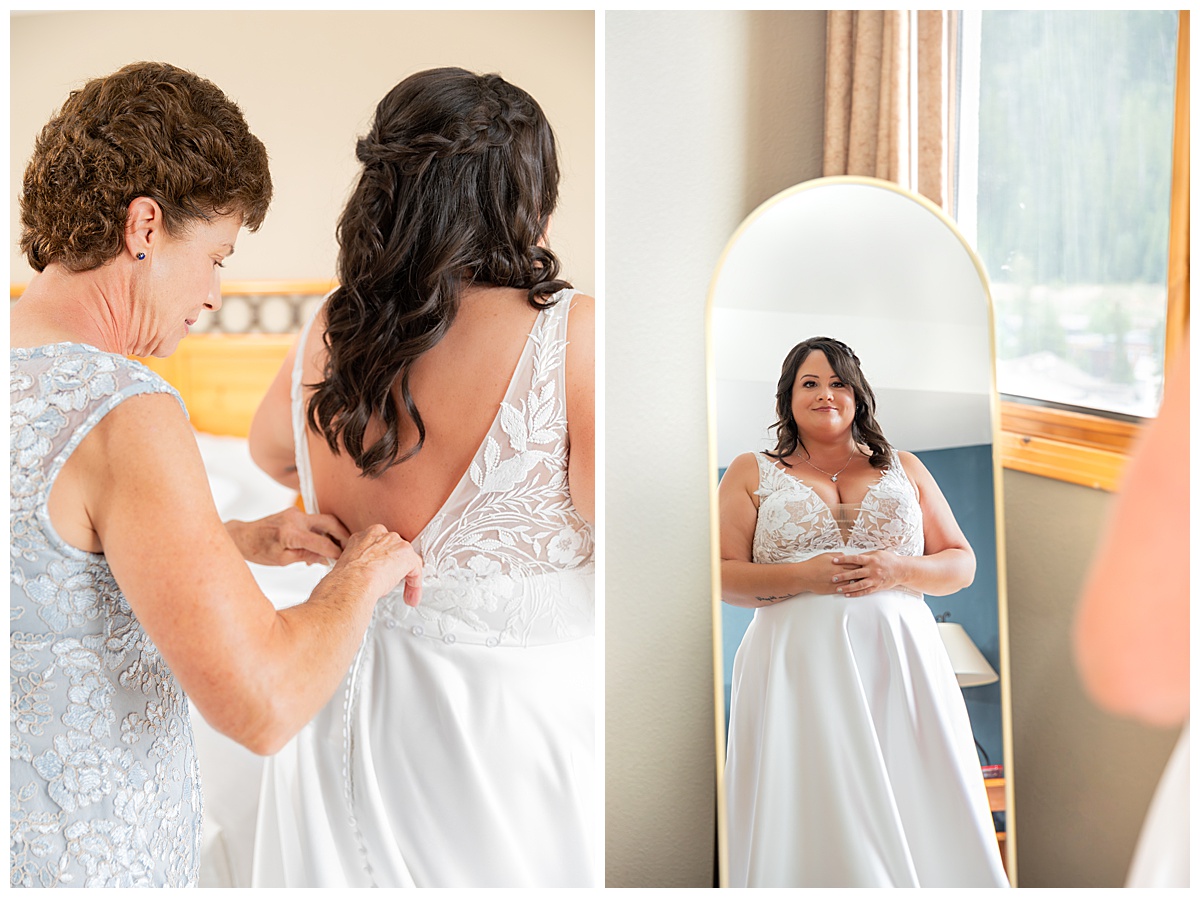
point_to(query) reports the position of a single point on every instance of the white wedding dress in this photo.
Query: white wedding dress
(1163, 855)
(851, 760)
(460, 748)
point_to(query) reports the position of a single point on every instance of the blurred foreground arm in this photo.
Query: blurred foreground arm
(1132, 624)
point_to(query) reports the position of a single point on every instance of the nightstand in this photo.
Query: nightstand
(995, 793)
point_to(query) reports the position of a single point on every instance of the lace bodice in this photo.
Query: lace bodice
(508, 558)
(104, 784)
(794, 524)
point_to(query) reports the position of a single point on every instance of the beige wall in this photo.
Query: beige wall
(1084, 779)
(308, 83)
(707, 115)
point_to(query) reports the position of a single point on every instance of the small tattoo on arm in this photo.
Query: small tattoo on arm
(771, 598)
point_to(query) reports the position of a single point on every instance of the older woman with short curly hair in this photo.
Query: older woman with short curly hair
(150, 130)
(129, 598)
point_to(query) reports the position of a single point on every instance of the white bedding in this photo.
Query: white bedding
(230, 773)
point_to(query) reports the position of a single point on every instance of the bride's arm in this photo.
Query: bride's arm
(255, 673)
(291, 535)
(581, 404)
(272, 446)
(948, 564)
(744, 582)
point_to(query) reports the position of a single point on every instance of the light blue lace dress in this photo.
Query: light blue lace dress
(104, 787)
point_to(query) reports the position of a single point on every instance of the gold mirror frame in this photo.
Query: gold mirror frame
(714, 523)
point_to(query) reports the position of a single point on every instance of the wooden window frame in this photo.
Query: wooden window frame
(1092, 450)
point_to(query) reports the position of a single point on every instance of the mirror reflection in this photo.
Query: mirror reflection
(854, 430)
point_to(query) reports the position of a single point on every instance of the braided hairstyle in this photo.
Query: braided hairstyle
(459, 179)
(845, 365)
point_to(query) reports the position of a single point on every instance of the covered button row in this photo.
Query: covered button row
(449, 638)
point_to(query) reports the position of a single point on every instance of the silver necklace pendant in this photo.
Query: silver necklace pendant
(832, 477)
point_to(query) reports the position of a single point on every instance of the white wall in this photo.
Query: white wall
(308, 83)
(706, 115)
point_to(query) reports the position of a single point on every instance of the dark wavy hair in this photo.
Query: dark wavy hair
(846, 366)
(459, 178)
(149, 129)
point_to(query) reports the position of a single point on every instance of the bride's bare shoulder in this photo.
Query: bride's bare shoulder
(743, 469)
(582, 304)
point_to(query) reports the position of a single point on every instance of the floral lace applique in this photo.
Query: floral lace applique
(497, 553)
(794, 524)
(104, 782)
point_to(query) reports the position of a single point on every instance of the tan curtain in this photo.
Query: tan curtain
(886, 97)
(1179, 253)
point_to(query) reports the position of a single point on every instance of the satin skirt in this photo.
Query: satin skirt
(440, 764)
(1163, 855)
(851, 760)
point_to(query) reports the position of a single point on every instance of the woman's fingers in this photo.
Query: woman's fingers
(868, 572)
(854, 576)
(864, 583)
(311, 537)
(388, 558)
(306, 543)
(412, 588)
(331, 526)
(849, 569)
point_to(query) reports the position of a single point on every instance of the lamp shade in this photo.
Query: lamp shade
(970, 667)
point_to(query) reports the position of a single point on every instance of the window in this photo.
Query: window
(1066, 177)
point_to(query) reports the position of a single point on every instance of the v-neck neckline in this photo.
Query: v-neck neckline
(525, 351)
(530, 342)
(829, 509)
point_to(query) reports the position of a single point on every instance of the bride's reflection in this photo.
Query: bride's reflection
(887, 272)
(850, 758)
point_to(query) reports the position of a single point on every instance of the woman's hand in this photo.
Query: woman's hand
(288, 537)
(257, 673)
(384, 558)
(860, 575)
(825, 574)
(744, 582)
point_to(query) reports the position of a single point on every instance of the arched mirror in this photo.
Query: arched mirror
(886, 272)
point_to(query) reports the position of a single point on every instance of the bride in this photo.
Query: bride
(850, 759)
(445, 389)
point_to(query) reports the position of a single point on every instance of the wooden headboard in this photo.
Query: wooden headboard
(222, 375)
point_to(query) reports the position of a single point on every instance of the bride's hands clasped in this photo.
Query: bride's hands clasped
(860, 575)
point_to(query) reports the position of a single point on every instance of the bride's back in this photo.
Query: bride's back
(457, 387)
(403, 414)
(444, 272)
